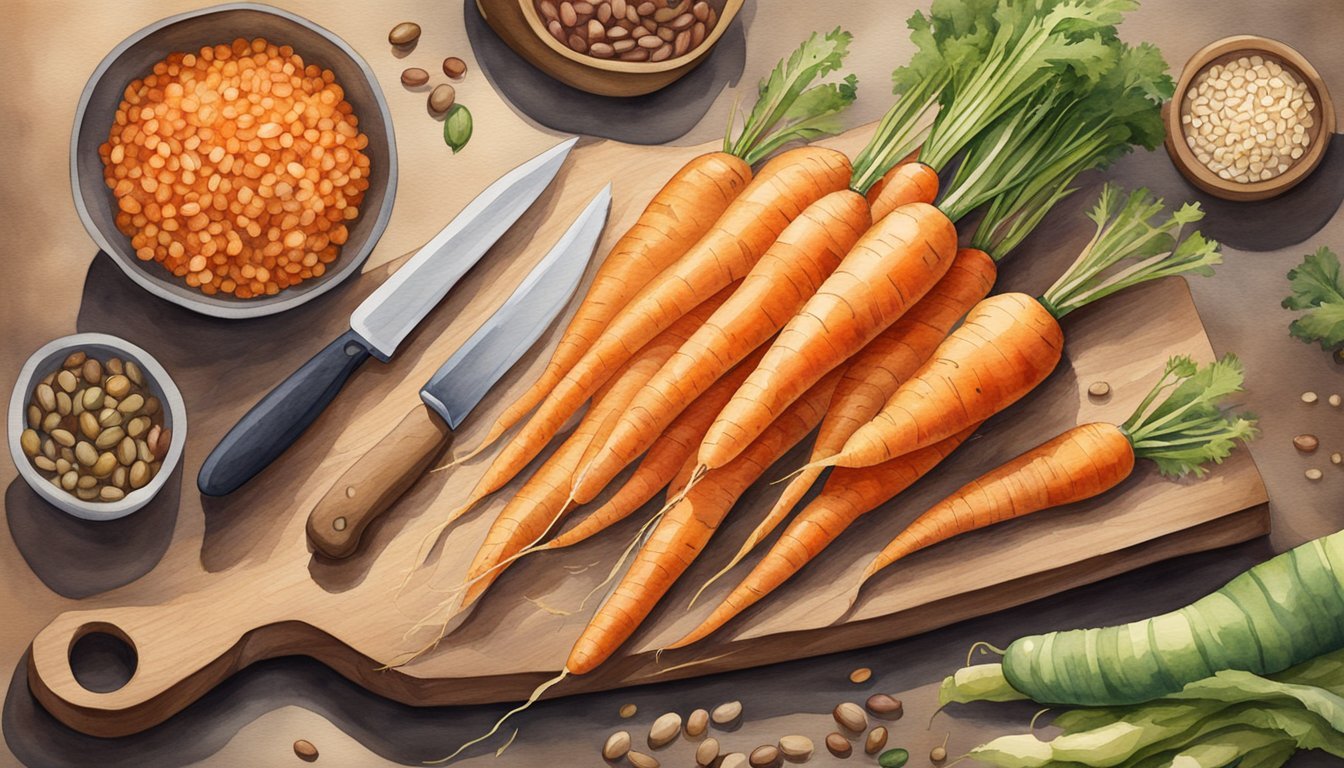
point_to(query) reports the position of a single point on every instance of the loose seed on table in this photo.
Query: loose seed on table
(404, 34)
(726, 713)
(838, 745)
(617, 745)
(1098, 389)
(1335, 400)
(938, 754)
(696, 723)
(734, 760)
(765, 756)
(627, 711)
(1309, 397)
(414, 77)
(876, 740)
(1314, 474)
(1306, 443)
(441, 98)
(860, 675)
(305, 750)
(664, 730)
(454, 67)
(641, 760)
(796, 748)
(707, 752)
(893, 758)
(1337, 458)
(885, 706)
(850, 716)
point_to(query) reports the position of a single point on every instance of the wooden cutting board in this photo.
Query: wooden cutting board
(258, 593)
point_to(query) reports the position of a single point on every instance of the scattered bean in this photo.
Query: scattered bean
(893, 758)
(404, 34)
(618, 744)
(414, 77)
(1309, 397)
(1098, 389)
(696, 723)
(885, 706)
(727, 713)
(628, 711)
(641, 760)
(860, 675)
(1337, 458)
(1306, 443)
(765, 756)
(305, 750)
(707, 752)
(876, 740)
(734, 760)
(454, 67)
(838, 745)
(938, 754)
(796, 748)
(850, 716)
(441, 98)
(664, 730)
(1334, 400)
(1314, 474)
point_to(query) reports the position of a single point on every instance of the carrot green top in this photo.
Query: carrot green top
(1189, 427)
(1129, 248)
(788, 107)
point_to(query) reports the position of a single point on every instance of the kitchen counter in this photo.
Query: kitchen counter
(49, 48)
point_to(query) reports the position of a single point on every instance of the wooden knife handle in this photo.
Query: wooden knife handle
(376, 480)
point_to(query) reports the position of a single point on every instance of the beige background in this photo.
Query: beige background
(47, 50)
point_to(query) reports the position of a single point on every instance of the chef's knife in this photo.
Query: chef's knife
(383, 474)
(377, 326)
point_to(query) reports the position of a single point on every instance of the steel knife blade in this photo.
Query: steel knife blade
(386, 472)
(377, 326)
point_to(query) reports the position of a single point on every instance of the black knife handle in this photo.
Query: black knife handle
(280, 417)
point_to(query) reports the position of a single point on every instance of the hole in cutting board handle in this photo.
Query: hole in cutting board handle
(102, 657)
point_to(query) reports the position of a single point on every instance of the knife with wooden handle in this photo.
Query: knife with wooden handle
(390, 468)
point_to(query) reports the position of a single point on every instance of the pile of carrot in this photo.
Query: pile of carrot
(750, 307)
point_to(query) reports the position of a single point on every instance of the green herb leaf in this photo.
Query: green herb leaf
(1317, 289)
(457, 128)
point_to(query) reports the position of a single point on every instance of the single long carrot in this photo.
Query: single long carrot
(892, 266)
(1081, 463)
(874, 374)
(1007, 346)
(789, 272)
(848, 495)
(904, 184)
(677, 216)
(686, 528)
(782, 190)
(544, 498)
(665, 461)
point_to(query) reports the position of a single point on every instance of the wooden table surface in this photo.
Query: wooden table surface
(46, 562)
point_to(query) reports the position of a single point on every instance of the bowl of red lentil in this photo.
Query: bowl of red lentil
(236, 160)
(612, 47)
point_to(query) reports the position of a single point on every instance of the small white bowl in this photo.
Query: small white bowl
(48, 359)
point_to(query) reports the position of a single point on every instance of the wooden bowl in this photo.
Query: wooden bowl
(137, 54)
(517, 23)
(1220, 52)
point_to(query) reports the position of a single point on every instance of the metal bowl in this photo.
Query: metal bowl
(49, 359)
(190, 31)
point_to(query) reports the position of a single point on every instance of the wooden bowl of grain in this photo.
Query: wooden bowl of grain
(523, 29)
(1220, 53)
(187, 32)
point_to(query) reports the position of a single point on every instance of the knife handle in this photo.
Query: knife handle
(280, 417)
(376, 481)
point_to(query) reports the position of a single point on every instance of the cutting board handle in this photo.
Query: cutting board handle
(181, 651)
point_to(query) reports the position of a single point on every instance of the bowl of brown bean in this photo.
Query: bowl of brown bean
(612, 47)
(1250, 118)
(236, 160)
(96, 425)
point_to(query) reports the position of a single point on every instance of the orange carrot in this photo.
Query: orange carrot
(1078, 464)
(666, 460)
(1008, 345)
(848, 495)
(906, 183)
(892, 266)
(783, 189)
(679, 215)
(792, 269)
(874, 374)
(686, 528)
(544, 498)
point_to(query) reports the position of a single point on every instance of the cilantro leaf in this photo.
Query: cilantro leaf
(1317, 289)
